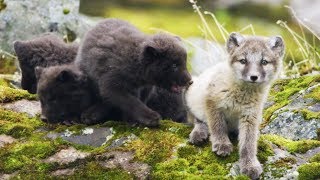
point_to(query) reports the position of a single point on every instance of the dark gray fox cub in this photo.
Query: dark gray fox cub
(120, 60)
(43, 51)
(67, 94)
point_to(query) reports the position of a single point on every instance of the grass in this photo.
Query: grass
(301, 44)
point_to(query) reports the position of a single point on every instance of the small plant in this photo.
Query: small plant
(66, 11)
(3, 5)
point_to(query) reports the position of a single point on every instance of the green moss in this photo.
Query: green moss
(279, 168)
(93, 170)
(301, 146)
(151, 150)
(308, 115)
(25, 154)
(267, 113)
(264, 150)
(315, 158)
(309, 171)
(66, 11)
(314, 94)
(156, 149)
(3, 82)
(179, 129)
(181, 169)
(195, 163)
(123, 129)
(8, 94)
(242, 177)
(17, 124)
(285, 162)
(38, 170)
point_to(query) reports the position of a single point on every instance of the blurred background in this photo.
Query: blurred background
(204, 25)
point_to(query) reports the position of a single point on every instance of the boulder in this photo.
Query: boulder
(24, 19)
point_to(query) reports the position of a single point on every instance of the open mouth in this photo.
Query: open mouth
(176, 88)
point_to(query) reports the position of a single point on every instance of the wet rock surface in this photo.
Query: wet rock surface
(89, 136)
(32, 108)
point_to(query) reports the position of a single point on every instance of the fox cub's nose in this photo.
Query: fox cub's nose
(253, 78)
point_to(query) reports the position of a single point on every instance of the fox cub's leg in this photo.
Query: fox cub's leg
(248, 137)
(200, 132)
(218, 130)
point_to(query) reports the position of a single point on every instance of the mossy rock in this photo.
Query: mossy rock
(301, 146)
(8, 94)
(165, 149)
(282, 91)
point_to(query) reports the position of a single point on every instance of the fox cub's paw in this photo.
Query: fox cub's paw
(253, 170)
(222, 149)
(198, 135)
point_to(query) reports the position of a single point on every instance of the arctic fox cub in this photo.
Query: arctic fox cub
(229, 97)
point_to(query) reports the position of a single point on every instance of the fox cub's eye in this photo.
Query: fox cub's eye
(174, 67)
(264, 62)
(243, 61)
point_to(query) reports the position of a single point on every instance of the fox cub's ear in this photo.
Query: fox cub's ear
(21, 48)
(234, 41)
(277, 45)
(66, 76)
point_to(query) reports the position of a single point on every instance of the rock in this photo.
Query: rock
(66, 156)
(7, 176)
(24, 19)
(235, 170)
(63, 172)
(90, 136)
(293, 126)
(32, 108)
(290, 121)
(281, 164)
(4, 139)
(315, 107)
(284, 165)
(303, 158)
(121, 141)
(124, 160)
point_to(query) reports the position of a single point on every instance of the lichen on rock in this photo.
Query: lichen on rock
(295, 113)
